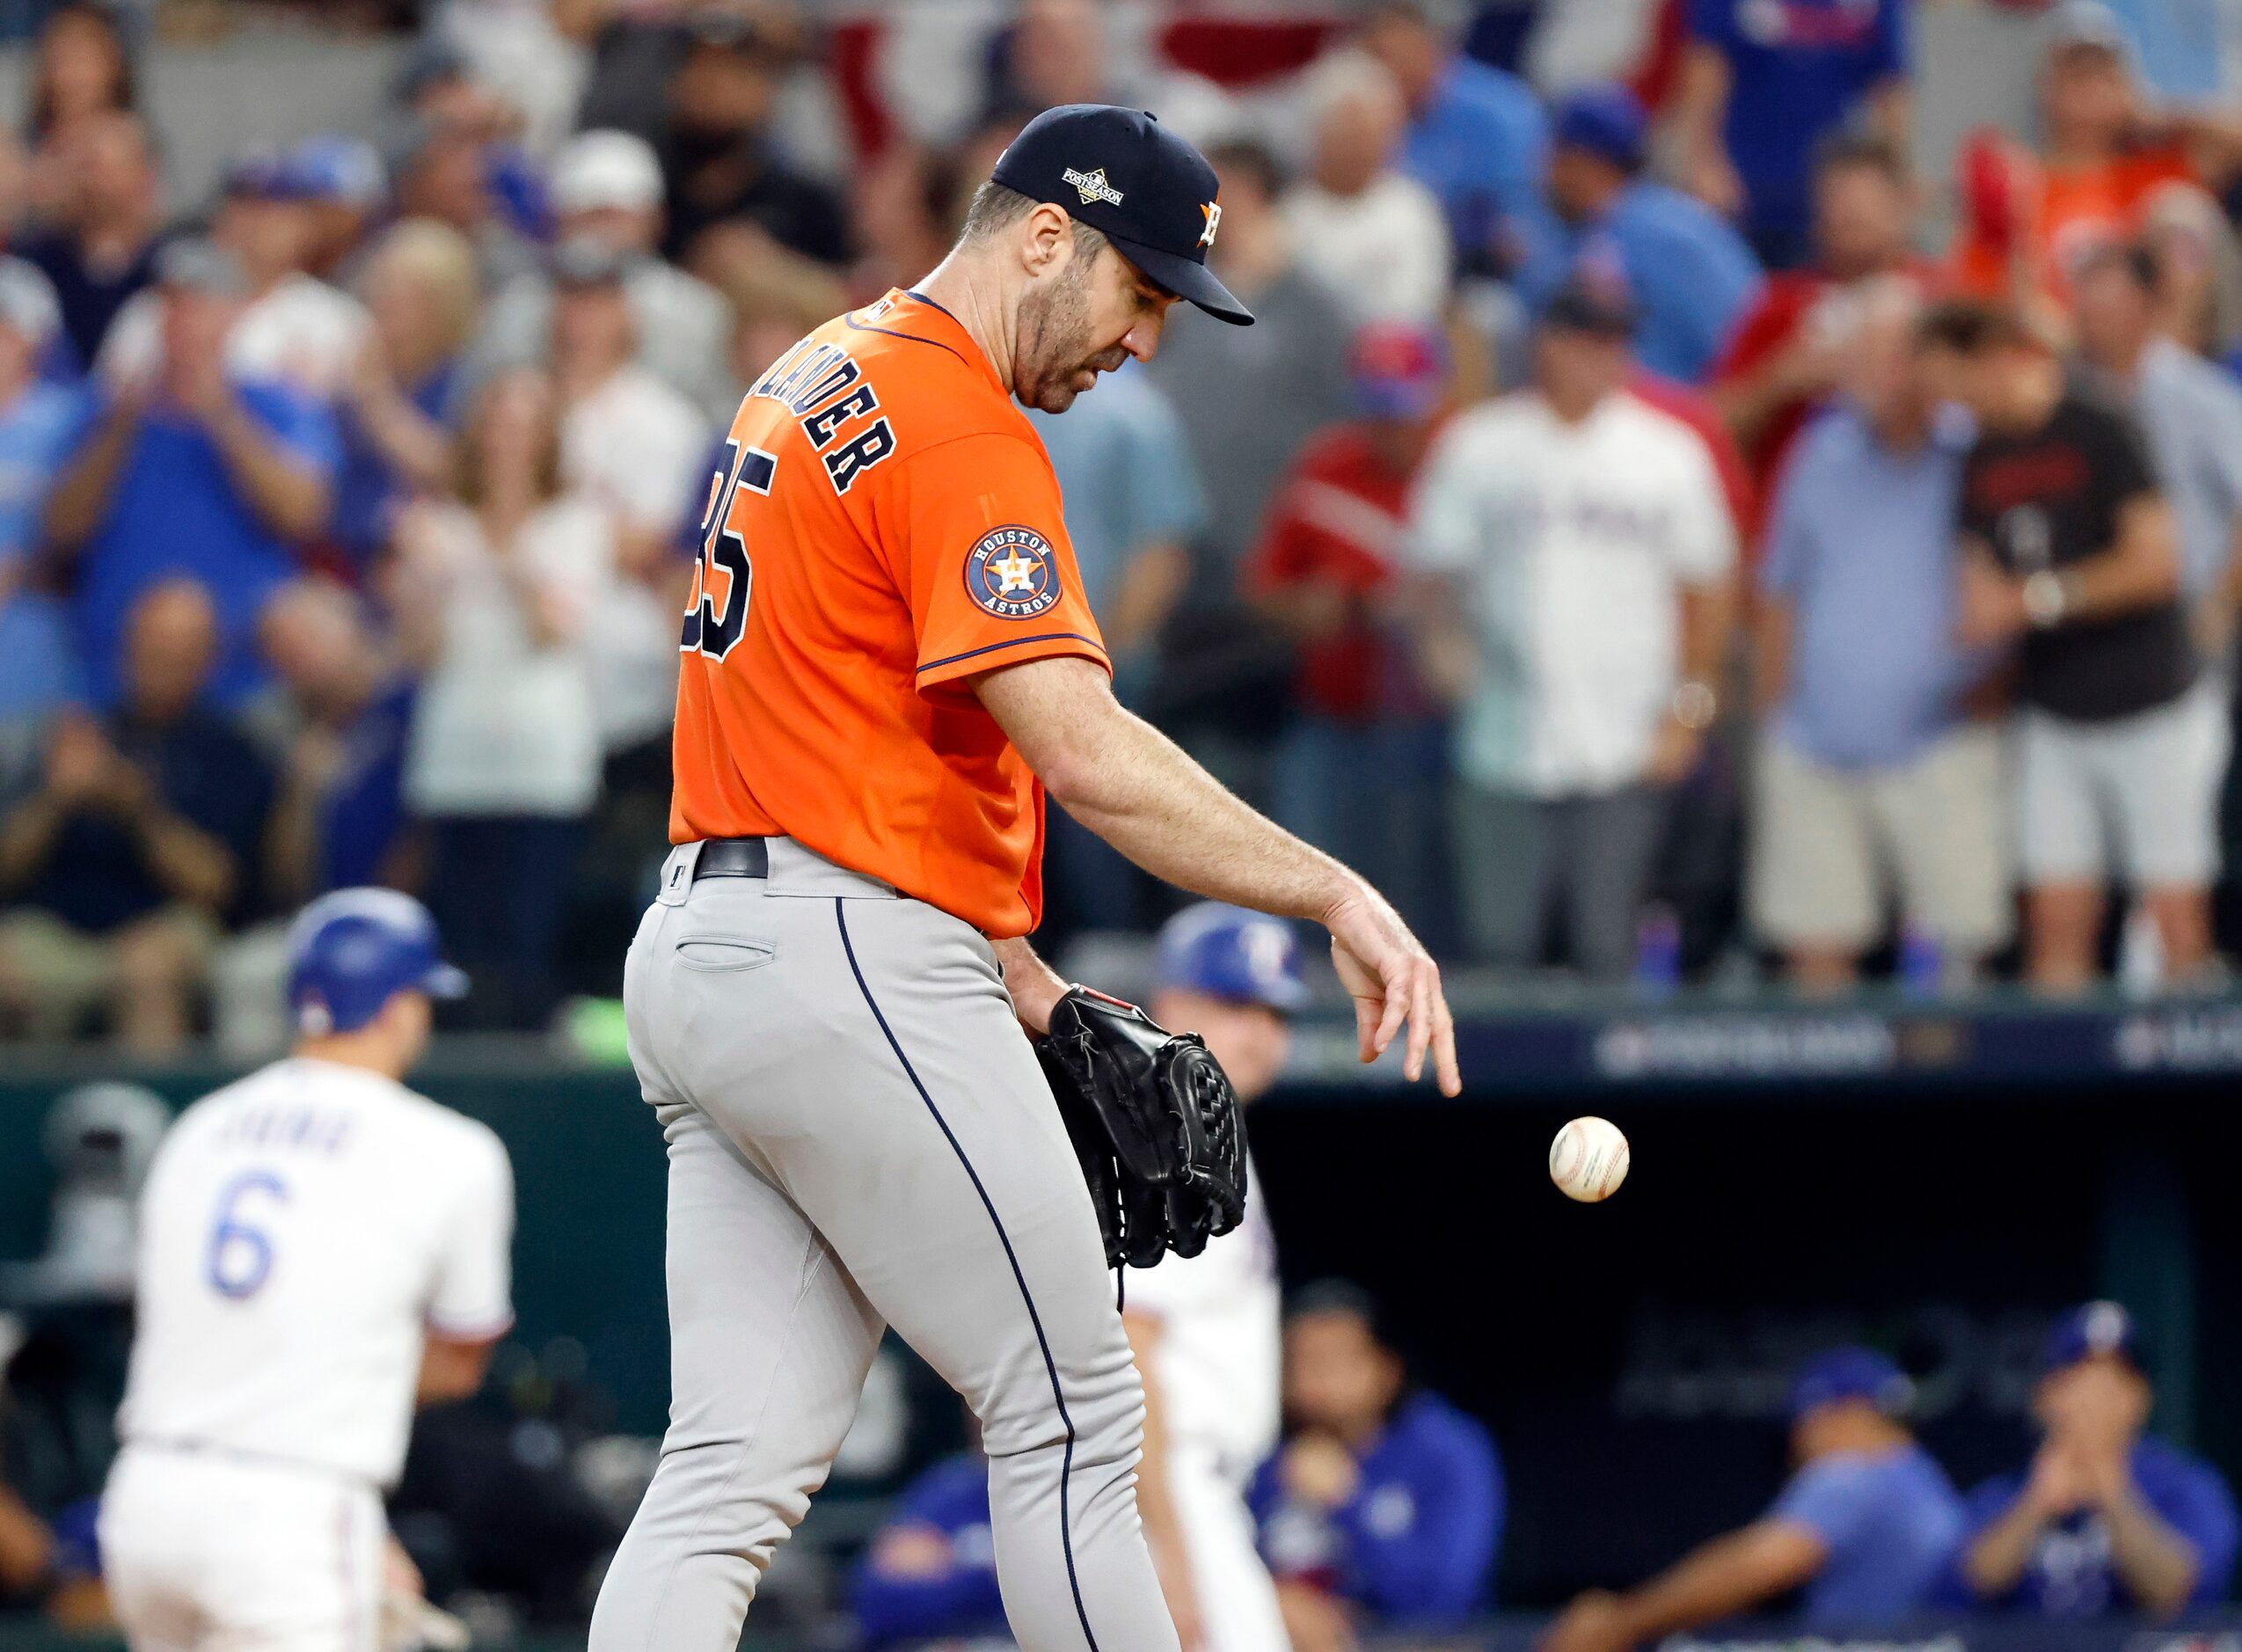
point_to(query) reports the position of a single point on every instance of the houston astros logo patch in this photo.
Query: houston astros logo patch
(1013, 574)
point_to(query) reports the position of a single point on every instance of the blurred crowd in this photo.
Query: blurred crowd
(1632, 534)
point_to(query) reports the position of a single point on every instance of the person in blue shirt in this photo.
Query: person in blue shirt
(1477, 137)
(1691, 273)
(1863, 1527)
(39, 423)
(1763, 82)
(2104, 1521)
(1134, 505)
(1384, 1507)
(931, 1571)
(193, 476)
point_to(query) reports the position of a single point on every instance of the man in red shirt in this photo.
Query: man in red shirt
(1358, 774)
(1783, 358)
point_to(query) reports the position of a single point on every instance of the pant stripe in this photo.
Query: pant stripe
(1050, 1365)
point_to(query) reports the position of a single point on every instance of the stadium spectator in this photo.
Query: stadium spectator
(40, 422)
(495, 594)
(1385, 1508)
(638, 450)
(2106, 1520)
(418, 285)
(1581, 553)
(929, 1572)
(2069, 556)
(293, 329)
(1134, 507)
(191, 472)
(141, 843)
(718, 155)
(1476, 136)
(1691, 274)
(346, 191)
(2104, 163)
(1869, 766)
(2191, 414)
(81, 68)
(1249, 397)
(1761, 85)
(1782, 359)
(347, 714)
(441, 171)
(1360, 772)
(1373, 233)
(1865, 1526)
(607, 191)
(103, 250)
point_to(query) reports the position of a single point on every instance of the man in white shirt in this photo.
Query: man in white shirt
(1375, 235)
(1206, 1331)
(1583, 556)
(295, 329)
(319, 1246)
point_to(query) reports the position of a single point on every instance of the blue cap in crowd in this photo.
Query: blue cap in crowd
(1849, 1374)
(1146, 189)
(261, 175)
(1606, 121)
(1399, 368)
(2092, 1328)
(1230, 953)
(333, 167)
(350, 952)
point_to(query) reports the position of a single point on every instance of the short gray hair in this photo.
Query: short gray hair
(997, 207)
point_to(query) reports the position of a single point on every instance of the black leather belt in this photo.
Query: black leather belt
(733, 858)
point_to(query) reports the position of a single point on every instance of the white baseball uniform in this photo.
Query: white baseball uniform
(1216, 1368)
(301, 1232)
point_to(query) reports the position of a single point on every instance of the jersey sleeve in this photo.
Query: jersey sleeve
(473, 1298)
(1830, 1498)
(975, 537)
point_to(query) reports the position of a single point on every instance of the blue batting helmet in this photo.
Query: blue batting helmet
(349, 952)
(1229, 952)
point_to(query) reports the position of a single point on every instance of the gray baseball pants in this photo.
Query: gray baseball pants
(860, 1135)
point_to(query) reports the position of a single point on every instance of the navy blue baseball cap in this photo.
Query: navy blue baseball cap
(2092, 1328)
(1843, 1374)
(1606, 121)
(351, 951)
(1230, 953)
(1145, 189)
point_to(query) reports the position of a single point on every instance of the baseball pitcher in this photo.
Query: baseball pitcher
(887, 662)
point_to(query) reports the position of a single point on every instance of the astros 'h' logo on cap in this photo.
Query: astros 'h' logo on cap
(1212, 210)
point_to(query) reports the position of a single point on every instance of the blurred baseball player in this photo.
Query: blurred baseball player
(318, 1246)
(1207, 1331)
(888, 658)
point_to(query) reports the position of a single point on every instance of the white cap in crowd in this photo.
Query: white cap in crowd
(28, 303)
(596, 169)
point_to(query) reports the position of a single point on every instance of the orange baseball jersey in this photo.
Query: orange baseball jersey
(887, 524)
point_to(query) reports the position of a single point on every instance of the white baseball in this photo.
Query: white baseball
(1589, 1160)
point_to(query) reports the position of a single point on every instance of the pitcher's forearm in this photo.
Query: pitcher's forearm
(1161, 810)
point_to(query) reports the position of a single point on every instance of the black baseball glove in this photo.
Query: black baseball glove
(1155, 1124)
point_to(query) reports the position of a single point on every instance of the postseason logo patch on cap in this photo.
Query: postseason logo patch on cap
(1012, 573)
(1092, 187)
